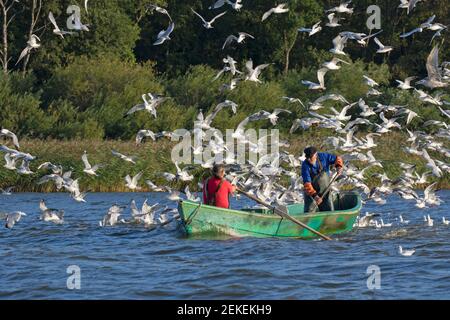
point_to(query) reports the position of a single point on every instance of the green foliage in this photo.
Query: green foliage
(20, 111)
(81, 86)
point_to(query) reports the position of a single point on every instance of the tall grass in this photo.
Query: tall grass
(155, 157)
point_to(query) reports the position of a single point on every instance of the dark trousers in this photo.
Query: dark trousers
(320, 183)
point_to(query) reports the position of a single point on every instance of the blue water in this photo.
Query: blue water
(129, 262)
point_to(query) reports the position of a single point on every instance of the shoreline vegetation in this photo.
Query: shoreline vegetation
(71, 94)
(155, 157)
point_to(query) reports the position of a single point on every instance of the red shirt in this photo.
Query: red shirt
(222, 195)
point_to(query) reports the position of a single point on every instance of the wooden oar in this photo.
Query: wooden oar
(282, 214)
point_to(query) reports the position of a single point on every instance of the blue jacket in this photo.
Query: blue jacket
(325, 158)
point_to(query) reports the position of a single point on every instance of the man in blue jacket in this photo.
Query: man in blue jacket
(316, 178)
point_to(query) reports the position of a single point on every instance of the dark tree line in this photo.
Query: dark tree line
(82, 84)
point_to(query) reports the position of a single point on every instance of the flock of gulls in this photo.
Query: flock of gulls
(264, 178)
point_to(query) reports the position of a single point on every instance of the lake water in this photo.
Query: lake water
(130, 262)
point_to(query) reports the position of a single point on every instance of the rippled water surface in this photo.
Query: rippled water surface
(129, 262)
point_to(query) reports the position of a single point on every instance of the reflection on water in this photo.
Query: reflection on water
(131, 262)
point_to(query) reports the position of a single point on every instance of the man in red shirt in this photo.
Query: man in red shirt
(217, 189)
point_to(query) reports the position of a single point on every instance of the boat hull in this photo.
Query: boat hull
(198, 219)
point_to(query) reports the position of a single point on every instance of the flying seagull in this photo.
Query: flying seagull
(160, 10)
(148, 105)
(143, 134)
(9, 134)
(208, 24)
(311, 31)
(132, 183)
(253, 73)
(281, 8)
(13, 218)
(56, 29)
(239, 39)
(164, 35)
(31, 44)
(333, 20)
(131, 159)
(90, 170)
(434, 79)
(382, 48)
(321, 77)
(342, 8)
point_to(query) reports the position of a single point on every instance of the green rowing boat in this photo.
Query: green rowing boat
(199, 219)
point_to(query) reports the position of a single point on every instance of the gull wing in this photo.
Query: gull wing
(87, 165)
(247, 35)
(266, 14)
(229, 40)
(378, 42)
(218, 16)
(24, 53)
(249, 65)
(321, 76)
(433, 64)
(217, 4)
(136, 108)
(137, 177)
(198, 15)
(53, 21)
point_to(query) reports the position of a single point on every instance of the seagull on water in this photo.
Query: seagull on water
(51, 215)
(366, 220)
(12, 218)
(111, 218)
(7, 191)
(429, 221)
(403, 221)
(405, 253)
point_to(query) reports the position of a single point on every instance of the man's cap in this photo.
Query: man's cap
(309, 152)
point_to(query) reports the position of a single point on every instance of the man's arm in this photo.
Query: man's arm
(337, 162)
(307, 183)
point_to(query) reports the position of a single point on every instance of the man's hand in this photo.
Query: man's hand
(318, 200)
(340, 171)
